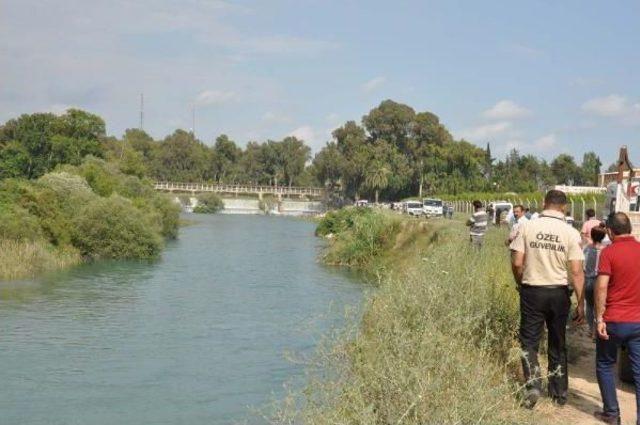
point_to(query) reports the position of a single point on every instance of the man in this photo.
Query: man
(569, 219)
(545, 252)
(519, 218)
(617, 297)
(589, 224)
(477, 224)
(527, 213)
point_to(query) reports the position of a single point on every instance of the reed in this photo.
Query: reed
(21, 259)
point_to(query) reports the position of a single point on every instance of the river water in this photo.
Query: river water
(198, 337)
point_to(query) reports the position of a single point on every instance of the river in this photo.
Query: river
(197, 337)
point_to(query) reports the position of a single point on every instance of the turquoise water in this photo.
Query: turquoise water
(197, 337)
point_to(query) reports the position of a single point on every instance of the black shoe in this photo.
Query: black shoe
(559, 401)
(531, 397)
(606, 418)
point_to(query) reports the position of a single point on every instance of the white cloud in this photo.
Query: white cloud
(609, 106)
(214, 97)
(506, 110)
(486, 131)
(614, 106)
(373, 84)
(545, 142)
(306, 133)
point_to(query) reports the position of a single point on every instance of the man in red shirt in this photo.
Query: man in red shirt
(617, 296)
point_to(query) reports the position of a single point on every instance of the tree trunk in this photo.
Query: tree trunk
(420, 189)
(377, 192)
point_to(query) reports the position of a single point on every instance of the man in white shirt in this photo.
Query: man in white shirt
(519, 219)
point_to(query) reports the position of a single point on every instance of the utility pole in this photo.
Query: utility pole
(141, 111)
(193, 121)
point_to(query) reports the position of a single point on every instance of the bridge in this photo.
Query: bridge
(237, 189)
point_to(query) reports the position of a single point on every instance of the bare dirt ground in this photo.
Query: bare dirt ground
(584, 394)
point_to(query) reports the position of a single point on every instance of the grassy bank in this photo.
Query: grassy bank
(76, 213)
(436, 343)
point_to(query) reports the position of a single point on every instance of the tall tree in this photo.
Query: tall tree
(591, 165)
(565, 170)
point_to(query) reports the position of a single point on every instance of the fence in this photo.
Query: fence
(577, 206)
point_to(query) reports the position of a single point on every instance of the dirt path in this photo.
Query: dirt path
(584, 394)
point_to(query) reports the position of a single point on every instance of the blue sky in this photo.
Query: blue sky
(543, 76)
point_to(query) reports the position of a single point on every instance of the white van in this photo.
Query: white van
(414, 208)
(498, 208)
(432, 207)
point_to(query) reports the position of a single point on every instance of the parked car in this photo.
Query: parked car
(432, 207)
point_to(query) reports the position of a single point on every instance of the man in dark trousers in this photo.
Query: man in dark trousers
(617, 297)
(545, 253)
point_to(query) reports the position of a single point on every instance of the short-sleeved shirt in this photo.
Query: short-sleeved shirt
(548, 244)
(586, 229)
(621, 262)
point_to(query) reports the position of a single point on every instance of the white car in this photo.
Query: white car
(432, 207)
(413, 208)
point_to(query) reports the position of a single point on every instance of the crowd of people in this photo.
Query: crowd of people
(550, 261)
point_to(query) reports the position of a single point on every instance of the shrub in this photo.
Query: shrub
(113, 228)
(208, 203)
(361, 234)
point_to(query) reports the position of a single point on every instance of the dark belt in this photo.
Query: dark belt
(525, 285)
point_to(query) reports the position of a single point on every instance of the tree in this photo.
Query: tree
(565, 170)
(181, 158)
(391, 121)
(328, 165)
(377, 178)
(225, 158)
(295, 155)
(591, 165)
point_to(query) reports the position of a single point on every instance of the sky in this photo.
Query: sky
(545, 77)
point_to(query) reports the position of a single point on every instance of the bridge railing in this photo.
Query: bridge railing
(238, 188)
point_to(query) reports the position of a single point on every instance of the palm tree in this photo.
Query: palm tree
(377, 178)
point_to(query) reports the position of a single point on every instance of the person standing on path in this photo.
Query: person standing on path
(589, 224)
(478, 224)
(591, 260)
(617, 297)
(519, 218)
(545, 253)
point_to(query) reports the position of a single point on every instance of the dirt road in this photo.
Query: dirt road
(584, 394)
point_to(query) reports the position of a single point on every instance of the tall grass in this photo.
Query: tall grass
(436, 343)
(28, 258)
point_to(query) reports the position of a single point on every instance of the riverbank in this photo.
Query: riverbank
(80, 213)
(437, 340)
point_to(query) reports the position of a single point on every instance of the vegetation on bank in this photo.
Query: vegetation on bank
(437, 340)
(86, 211)
(208, 203)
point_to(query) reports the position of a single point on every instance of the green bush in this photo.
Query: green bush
(114, 228)
(336, 222)
(360, 235)
(208, 203)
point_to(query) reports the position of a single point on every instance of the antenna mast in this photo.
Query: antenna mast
(141, 111)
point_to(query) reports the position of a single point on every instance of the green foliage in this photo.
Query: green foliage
(441, 315)
(208, 203)
(114, 228)
(360, 235)
(33, 144)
